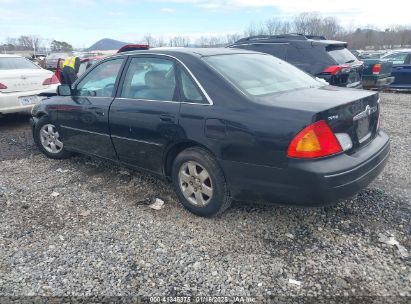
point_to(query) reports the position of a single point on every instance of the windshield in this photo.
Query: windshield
(342, 55)
(16, 63)
(259, 74)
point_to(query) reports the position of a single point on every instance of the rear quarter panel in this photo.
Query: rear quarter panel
(246, 134)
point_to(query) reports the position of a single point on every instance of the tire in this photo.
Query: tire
(193, 185)
(46, 137)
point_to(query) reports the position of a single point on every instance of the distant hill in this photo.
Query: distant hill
(106, 45)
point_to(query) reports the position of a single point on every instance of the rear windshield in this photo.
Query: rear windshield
(342, 55)
(259, 74)
(16, 63)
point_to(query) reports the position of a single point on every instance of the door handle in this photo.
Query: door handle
(167, 118)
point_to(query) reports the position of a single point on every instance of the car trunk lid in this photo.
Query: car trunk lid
(358, 118)
(350, 111)
(22, 80)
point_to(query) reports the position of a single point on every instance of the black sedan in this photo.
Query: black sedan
(221, 124)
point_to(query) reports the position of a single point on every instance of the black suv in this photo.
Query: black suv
(326, 59)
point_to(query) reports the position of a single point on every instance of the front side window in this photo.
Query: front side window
(150, 79)
(100, 81)
(398, 58)
(259, 74)
(16, 63)
(190, 91)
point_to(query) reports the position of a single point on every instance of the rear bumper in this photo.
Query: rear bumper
(9, 102)
(309, 182)
(339, 82)
(377, 83)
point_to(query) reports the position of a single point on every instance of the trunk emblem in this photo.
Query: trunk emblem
(333, 117)
(367, 112)
(23, 77)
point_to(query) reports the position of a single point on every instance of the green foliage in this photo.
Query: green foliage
(61, 46)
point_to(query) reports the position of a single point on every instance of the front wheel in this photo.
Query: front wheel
(200, 183)
(48, 140)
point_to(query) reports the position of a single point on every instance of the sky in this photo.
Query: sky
(83, 22)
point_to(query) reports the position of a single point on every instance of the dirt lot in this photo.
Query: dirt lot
(79, 227)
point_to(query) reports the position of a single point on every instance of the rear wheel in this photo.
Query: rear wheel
(48, 140)
(199, 182)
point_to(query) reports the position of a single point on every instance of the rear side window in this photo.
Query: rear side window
(16, 63)
(341, 55)
(278, 50)
(190, 91)
(150, 79)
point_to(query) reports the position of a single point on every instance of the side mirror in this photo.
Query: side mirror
(64, 90)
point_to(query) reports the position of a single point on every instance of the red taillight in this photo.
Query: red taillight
(376, 69)
(2, 86)
(316, 140)
(335, 69)
(52, 80)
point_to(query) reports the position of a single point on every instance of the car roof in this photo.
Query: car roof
(195, 52)
(288, 38)
(9, 55)
(398, 51)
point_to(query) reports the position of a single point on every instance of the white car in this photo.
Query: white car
(21, 81)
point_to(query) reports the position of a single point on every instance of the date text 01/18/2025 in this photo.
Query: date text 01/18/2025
(202, 299)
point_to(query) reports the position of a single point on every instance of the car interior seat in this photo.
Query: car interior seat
(157, 87)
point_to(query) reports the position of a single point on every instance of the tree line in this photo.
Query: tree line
(308, 23)
(31, 43)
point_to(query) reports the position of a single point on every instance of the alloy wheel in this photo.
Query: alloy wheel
(195, 183)
(50, 139)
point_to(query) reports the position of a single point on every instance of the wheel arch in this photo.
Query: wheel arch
(40, 114)
(176, 149)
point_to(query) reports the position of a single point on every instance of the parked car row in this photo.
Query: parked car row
(326, 59)
(332, 61)
(88, 61)
(24, 82)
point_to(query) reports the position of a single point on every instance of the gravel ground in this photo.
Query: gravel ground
(80, 227)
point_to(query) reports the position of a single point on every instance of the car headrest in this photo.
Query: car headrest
(155, 79)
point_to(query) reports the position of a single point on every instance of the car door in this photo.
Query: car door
(144, 116)
(83, 117)
(401, 69)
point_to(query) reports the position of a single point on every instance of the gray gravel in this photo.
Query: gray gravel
(80, 227)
